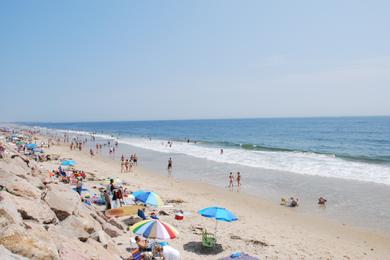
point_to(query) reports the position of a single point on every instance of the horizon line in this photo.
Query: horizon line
(194, 119)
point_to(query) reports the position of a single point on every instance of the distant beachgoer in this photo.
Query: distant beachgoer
(2, 151)
(122, 157)
(238, 178)
(107, 199)
(123, 166)
(143, 244)
(135, 159)
(231, 180)
(141, 213)
(221, 151)
(91, 152)
(79, 185)
(127, 165)
(170, 164)
(293, 202)
(322, 201)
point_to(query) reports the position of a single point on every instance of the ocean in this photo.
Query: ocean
(346, 159)
(355, 148)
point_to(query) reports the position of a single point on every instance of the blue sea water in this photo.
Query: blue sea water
(356, 148)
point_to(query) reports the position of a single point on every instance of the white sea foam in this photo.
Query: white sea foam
(297, 162)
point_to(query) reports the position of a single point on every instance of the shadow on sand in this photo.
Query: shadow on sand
(197, 248)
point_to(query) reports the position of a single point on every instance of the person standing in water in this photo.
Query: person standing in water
(231, 180)
(238, 178)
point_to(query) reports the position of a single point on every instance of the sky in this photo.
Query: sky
(145, 60)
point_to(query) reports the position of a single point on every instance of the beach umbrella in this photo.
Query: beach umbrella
(149, 197)
(68, 163)
(219, 214)
(31, 146)
(154, 229)
(137, 193)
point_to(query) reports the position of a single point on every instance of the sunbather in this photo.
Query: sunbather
(143, 244)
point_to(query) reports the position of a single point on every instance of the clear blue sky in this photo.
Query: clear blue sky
(134, 60)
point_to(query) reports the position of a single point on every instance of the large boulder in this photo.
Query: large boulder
(75, 227)
(72, 248)
(62, 200)
(18, 186)
(32, 243)
(35, 210)
(111, 230)
(6, 254)
(8, 213)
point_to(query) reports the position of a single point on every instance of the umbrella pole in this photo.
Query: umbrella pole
(216, 225)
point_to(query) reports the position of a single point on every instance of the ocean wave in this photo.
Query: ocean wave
(309, 163)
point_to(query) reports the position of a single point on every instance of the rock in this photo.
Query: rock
(116, 224)
(8, 213)
(6, 254)
(103, 237)
(35, 210)
(95, 250)
(33, 244)
(62, 201)
(18, 186)
(73, 227)
(111, 230)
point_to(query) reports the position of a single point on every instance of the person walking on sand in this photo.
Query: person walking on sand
(127, 165)
(170, 165)
(231, 180)
(238, 179)
(123, 165)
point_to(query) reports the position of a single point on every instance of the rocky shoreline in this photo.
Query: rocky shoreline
(42, 218)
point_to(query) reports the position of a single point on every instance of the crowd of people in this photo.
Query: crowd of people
(128, 164)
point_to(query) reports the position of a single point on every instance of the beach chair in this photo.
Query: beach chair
(136, 254)
(208, 240)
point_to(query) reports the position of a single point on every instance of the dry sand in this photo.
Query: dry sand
(264, 230)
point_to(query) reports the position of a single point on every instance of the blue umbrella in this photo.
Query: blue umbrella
(219, 214)
(68, 163)
(138, 193)
(31, 146)
(148, 197)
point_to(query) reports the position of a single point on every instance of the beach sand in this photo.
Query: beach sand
(263, 229)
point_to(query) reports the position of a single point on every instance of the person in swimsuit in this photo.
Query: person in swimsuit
(231, 180)
(238, 178)
(122, 165)
(170, 165)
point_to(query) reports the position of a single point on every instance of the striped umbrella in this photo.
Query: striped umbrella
(154, 229)
(149, 197)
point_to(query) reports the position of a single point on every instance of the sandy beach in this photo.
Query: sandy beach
(264, 230)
